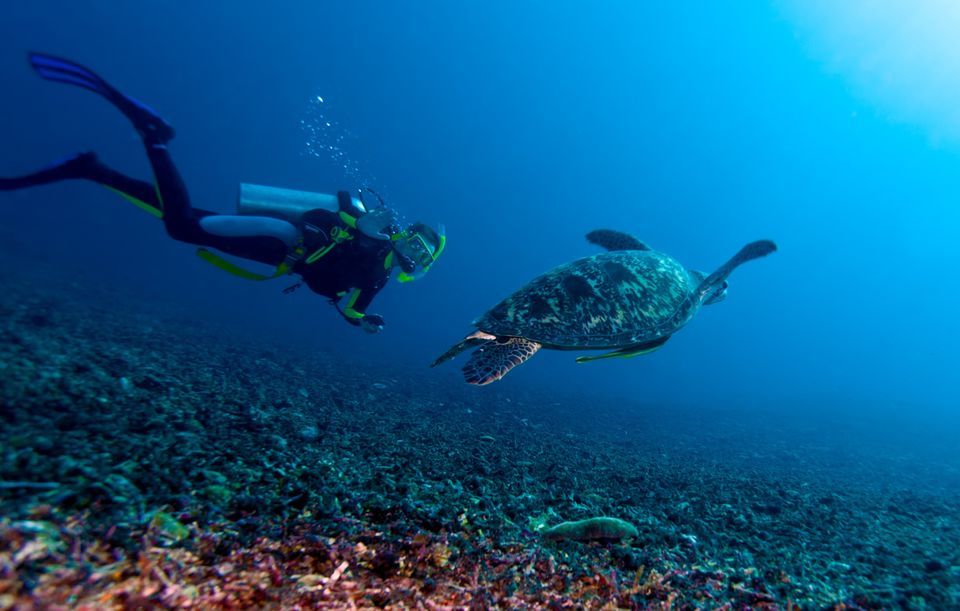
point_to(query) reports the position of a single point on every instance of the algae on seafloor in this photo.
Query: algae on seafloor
(169, 527)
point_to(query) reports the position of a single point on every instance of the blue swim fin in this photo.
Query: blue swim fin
(81, 165)
(146, 120)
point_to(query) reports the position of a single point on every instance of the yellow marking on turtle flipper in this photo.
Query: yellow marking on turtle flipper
(623, 353)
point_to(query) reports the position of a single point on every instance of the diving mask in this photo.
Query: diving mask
(417, 248)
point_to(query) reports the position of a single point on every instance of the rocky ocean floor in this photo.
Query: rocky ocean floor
(150, 461)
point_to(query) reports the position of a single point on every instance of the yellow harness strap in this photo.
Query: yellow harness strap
(338, 235)
(236, 270)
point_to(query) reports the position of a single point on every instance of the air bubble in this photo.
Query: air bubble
(327, 139)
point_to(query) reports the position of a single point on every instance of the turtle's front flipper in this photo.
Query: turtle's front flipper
(492, 361)
(753, 250)
(629, 351)
(474, 339)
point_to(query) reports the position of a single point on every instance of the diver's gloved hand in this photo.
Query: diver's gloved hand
(377, 223)
(372, 323)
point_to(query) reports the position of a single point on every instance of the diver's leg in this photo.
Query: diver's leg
(262, 239)
(86, 166)
(62, 169)
(181, 220)
(178, 215)
(140, 192)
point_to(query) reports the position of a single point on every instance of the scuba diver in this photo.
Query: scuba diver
(338, 247)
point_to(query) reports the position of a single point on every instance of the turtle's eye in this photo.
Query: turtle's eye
(718, 295)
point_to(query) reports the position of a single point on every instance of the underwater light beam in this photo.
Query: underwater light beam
(902, 56)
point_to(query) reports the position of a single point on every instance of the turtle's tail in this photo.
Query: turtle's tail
(753, 250)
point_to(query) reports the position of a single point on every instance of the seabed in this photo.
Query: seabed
(149, 461)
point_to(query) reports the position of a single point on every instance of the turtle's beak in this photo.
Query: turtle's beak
(718, 295)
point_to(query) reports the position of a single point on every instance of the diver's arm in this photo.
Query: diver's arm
(354, 311)
(349, 310)
(379, 223)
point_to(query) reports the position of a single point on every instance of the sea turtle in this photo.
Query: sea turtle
(630, 299)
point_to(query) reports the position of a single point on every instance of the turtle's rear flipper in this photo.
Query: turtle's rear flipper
(615, 240)
(753, 250)
(629, 351)
(474, 339)
(493, 361)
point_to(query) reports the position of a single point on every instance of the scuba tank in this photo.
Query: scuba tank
(286, 204)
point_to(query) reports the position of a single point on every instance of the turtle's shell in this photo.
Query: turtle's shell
(609, 300)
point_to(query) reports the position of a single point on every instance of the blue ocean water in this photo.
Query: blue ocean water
(519, 129)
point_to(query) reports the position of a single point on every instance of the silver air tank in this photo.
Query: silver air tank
(286, 204)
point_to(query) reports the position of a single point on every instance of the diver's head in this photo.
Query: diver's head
(417, 247)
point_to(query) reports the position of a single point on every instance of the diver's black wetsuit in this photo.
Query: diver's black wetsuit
(360, 264)
(357, 268)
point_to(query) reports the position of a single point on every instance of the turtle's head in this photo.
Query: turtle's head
(716, 294)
